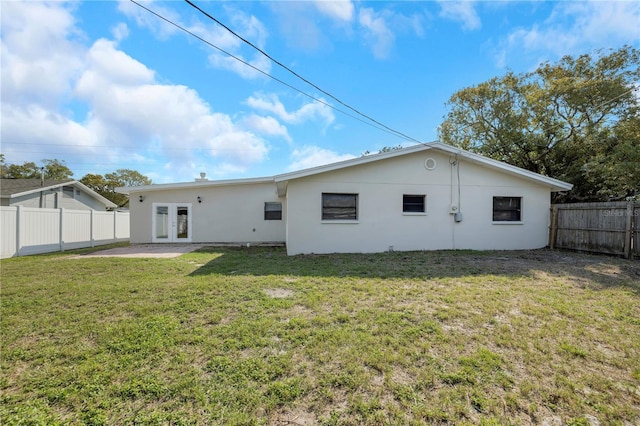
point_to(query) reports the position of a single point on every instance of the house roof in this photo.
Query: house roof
(186, 185)
(13, 188)
(554, 184)
(282, 179)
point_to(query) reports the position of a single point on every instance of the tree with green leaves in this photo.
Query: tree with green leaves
(52, 169)
(107, 184)
(97, 183)
(614, 169)
(384, 149)
(3, 167)
(575, 120)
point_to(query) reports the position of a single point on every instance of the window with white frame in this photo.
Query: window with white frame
(272, 211)
(414, 203)
(507, 209)
(339, 206)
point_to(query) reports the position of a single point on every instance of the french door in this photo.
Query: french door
(171, 223)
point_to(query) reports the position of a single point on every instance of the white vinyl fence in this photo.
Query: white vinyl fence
(27, 230)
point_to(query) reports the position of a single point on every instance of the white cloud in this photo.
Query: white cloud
(304, 26)
(414, 22)
(175, 115)
(307, 112)
(250, 28)
(40, 53)
(574, 27)
(597, 21)
(265, 126)
(461, 11)
(247, 26)
(377, 32)
(130, 117)
(120, 31)
(104, 60)
(161, 28)
(339, 10)
(253, 70)
(33, 123)
(380, 28)
(223, 170)
(298, 23)
(312, 156)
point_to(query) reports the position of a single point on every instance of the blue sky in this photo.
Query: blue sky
(105, 85)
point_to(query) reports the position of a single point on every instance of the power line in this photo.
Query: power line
(275, 61)
(378, 126)
(56, 146)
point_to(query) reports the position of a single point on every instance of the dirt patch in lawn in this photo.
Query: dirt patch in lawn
(278, 293)
(580, 268)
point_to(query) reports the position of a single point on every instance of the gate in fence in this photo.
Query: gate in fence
(608, 227)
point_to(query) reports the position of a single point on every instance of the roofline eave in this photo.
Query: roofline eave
(187, 185)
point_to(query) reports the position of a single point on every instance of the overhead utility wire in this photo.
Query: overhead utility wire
(380, 127)
(299, 76)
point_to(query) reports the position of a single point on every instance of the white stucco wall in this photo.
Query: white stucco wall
(381, 223)
(233, 213)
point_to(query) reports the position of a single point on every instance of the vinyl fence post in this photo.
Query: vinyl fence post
(18, 230)
(91, 229)
(61, 236)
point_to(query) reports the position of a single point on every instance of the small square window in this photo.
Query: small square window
(414, 203)
(339, 206)
(272, 211)
(68, 192)
(507, 209)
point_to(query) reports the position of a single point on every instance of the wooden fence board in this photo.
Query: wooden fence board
(610, 227)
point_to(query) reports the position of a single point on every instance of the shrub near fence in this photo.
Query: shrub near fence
(27, 230)
(610, 227)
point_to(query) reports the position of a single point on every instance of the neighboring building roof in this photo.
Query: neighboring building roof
(10, 188)
(13, 188)
(282, 179)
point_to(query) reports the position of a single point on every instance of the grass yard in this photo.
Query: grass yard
(251, 336)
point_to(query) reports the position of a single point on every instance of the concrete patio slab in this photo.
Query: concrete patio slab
(147, 250)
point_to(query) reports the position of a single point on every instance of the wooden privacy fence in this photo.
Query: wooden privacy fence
(611, 227)
(28, 230)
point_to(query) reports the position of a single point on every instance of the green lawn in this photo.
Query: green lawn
(251, 336)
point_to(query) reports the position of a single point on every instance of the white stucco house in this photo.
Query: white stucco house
(425, 197)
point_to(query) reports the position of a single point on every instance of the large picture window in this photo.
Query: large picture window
(272, 211)
(413, 204)
(507, 209)
(339, 206)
